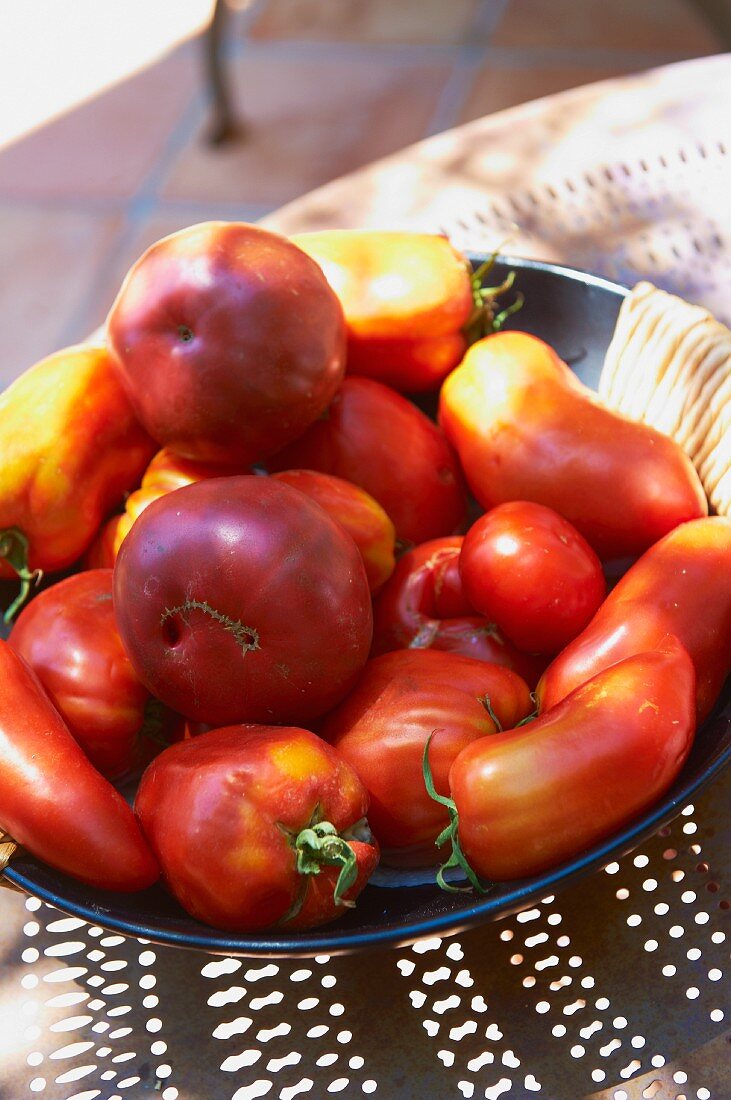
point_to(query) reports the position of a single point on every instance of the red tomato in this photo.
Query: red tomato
(377, 439)
(680, 586)
(423, 606)
(401, 699)
(69, 637)
(531, 798)
(356, 511)
(53, 801)
(239, 598)
(257, 826)
(229, 341)
(525, 428)
(529, 570)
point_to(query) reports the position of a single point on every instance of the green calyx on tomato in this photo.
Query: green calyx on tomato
(484, 319)
(451, 831)
(320, 844)
(14, 550)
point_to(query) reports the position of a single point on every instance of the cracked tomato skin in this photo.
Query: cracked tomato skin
(381, 729)
(69, 637)
(221, 813)
(239, 599)
(377, 439)
(531, 798)
(229, 341)
(423, 606)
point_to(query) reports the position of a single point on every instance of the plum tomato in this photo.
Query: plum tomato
(229, 341)
(240, 599)
(68, 635)
(257, 826)
(381, 729)
(529, 571)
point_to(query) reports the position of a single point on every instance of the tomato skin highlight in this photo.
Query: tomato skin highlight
(53, 801)
(406, 298)
(401, 699)
(680, 586)
(68, 635)
(228, 340)
(240, 599)
(528, 799)
(221, 810)
(423, 606)
(375, 438)
(528, 569)
(526, 428)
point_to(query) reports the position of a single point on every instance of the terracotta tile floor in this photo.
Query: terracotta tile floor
(104, 116)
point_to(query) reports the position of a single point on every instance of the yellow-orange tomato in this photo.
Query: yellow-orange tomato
(166, 472)
(355, 510)
(70, 447)
(406, 298)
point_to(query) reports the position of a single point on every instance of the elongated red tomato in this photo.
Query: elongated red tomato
(680, 586)
(530, 798)
(53, 801)
(401, 699)
(68, 635)
(257, 826)
(423, 606)
(375, 438)
(526, 428)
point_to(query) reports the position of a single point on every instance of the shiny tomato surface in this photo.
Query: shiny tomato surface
(229, 814)
(528, 570)
(240, 599)
(228, 340)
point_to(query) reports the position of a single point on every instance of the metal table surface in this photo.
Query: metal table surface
(613, 989)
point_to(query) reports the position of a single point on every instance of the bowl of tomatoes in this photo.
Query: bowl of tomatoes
(394, 629)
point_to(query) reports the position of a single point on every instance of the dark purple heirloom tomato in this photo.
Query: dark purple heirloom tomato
(229, 341)
(239, 599)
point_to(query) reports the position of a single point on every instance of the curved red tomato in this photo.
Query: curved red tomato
(229, 341)
(525, 428)
(423, 606)
(377, 439)
(529, 570)
(401, 699)
(680, 586)
(239, 599)
(53, 801)
(530, 798)
(68, 635)
(234, 816)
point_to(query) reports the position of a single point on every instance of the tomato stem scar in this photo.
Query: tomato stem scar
(246, 636)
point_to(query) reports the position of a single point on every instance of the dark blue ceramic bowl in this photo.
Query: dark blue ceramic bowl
(575, 313)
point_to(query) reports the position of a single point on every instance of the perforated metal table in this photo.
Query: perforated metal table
(617, 988)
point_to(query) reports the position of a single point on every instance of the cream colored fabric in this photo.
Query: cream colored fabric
(669, 365)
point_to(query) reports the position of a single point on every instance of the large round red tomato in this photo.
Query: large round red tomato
(377, 439)
(530, 571)
(257, 826)
(69, 637)
(240, 599)
(229, 341)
